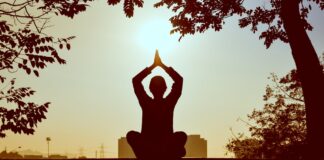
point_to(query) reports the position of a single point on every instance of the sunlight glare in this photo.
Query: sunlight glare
(156, 35)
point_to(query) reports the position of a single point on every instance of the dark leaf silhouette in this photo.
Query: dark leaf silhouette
(25, 117)
(128, 5)
(68, 46)
(129, 8)
(113, 2)
(36, 73)
(279, 128)
(139, 3)
(26, 46)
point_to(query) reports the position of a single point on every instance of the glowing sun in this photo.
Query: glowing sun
(156, 35)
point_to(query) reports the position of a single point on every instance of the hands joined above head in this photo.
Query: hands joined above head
(157, 62)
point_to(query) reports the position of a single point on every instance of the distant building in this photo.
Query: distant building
(10, 155)
(57, 156)
(124, 149)
(29, 152)
(196, 147)
(33, 156)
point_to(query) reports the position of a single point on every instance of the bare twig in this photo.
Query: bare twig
(32, 19)
(14, 3)
(278, 86)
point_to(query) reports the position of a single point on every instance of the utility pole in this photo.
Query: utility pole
(102, 151)
(48, 139)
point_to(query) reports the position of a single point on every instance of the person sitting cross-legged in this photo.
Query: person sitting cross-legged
(157, 138)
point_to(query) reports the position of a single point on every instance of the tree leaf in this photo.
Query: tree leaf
(36, 73)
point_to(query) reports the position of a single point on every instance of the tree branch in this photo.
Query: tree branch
(278, 86)
(15, 5)
(32, 19)
(12, 11)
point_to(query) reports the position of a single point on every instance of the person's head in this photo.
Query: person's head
(158, 86)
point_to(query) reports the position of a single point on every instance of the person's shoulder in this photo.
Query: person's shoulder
(147, 101)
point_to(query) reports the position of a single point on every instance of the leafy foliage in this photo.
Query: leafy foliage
(25, 46)
(128, 5)
(26, 50)
(27, 114)
(198, 16)
(280, 126)
(245, 148)
(193, 16)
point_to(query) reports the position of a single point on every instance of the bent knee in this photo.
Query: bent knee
(180, 137)
(131, 136)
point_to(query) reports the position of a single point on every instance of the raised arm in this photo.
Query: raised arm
(176, 77)
(177, 85)
(178, 80)
(138, 86)
(172, 73)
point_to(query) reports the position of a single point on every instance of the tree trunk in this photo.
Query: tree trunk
(311, 76)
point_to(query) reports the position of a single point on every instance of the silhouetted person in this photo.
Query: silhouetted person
(157, 139)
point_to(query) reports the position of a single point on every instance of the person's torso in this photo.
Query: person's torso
(157, 118)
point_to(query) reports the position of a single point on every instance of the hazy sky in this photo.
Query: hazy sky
(92, 99)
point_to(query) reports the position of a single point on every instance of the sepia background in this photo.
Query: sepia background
(92, 99)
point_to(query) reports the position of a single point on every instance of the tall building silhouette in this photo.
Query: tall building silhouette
(196, 147)
(124, 149)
